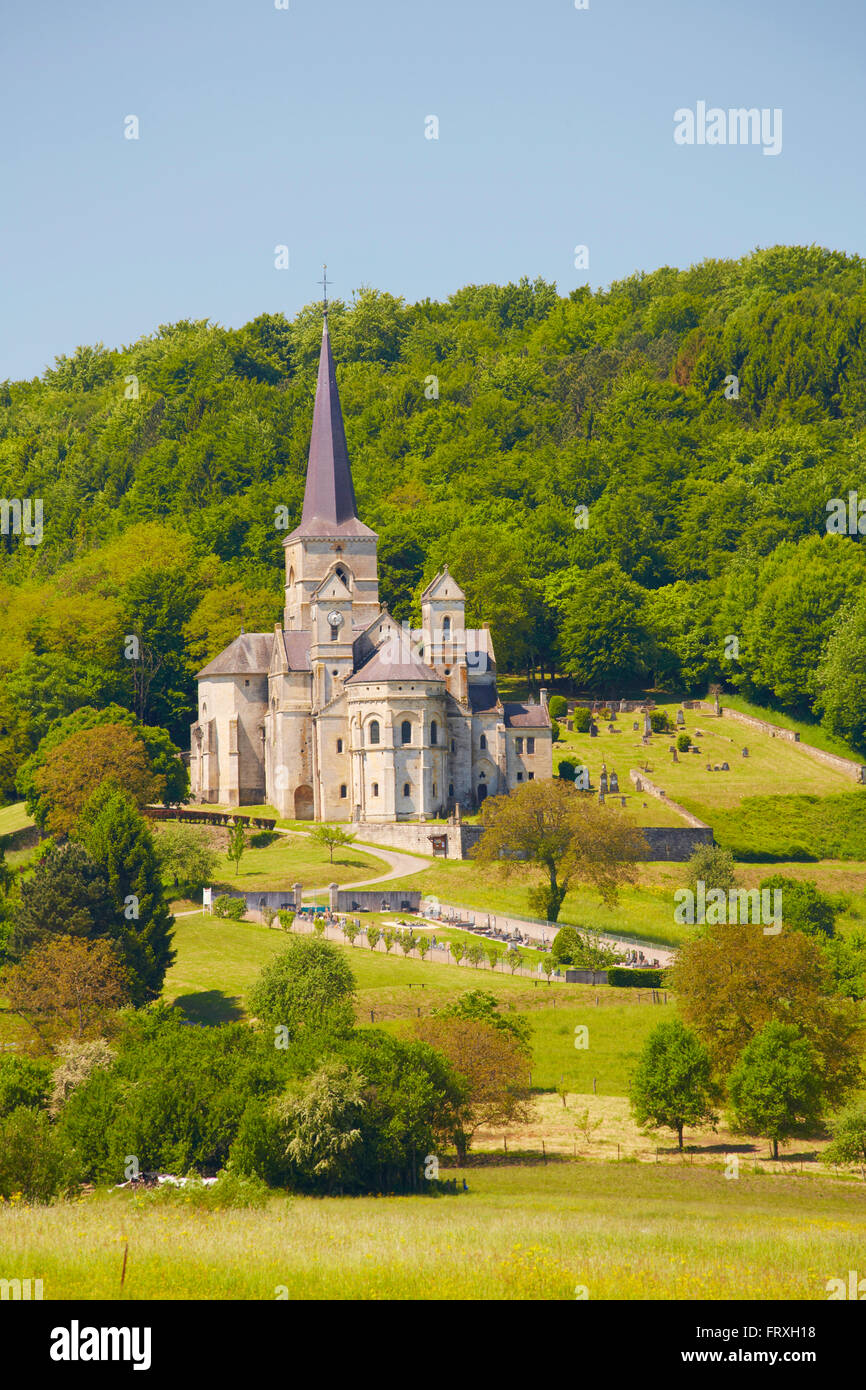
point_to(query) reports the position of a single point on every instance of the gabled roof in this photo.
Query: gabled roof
(249, 654)
(520, 716)
(329, 497)
(388, 665)
(443, 585)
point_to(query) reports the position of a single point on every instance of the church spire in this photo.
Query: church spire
(329, 496)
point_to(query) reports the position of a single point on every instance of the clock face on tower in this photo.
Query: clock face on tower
(335, 618)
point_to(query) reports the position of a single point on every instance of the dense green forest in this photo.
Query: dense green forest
(476, 427)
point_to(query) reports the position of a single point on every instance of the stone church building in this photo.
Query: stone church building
(341, 713)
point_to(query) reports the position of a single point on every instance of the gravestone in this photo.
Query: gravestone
(716, 768)
(725, 767)
(709, 767)
(647, 725)
(635, 727)
(674, 752)
(611, 729)
(593, 731)
(681, 718)
(622, 799)
(569, 724)
(614, 782)
(716, 708)
(602, 781)
(601, 798)
(638, 784)
(745, 752)
(695, 750)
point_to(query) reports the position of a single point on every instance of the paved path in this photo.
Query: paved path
(399, 864)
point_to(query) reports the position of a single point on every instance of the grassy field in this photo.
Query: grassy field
(548, 1232)
(292, 859)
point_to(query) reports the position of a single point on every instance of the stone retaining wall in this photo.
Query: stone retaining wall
(847, 766)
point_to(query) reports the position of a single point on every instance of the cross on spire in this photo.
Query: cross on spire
(324, 283)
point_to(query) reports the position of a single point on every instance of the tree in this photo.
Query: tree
(604, 637)
(171, 779)
(35, 1160)
(408, 942)
(67, 986)
(732, 980)
(713, 866)
(350, 929)
(77, 1059)
(187, 855)
(458, 951)
(848, 1144)
(324, 1121)
(389, 936)
(557, 706)
(547, 967)
(494, 1065)
(237, 843)
(804, 907)
(672, 1085)
(373, 934)
(480, 1006)
(66, 895)
(120, 842)
(776, 1087)
(494, 955)
(475, 953)
(514, 959)
(567, 769)
(308, 988)
(423, 944)
(582, 948)
(332, 837)
(549, 830)
(23, 1081)
(841, 677)
(74, 769)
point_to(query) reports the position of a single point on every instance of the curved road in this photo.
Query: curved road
(399, 864)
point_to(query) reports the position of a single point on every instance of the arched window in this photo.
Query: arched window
(434, 731)
(374, 731)
(342, 789)
(450, 788)
(446, 627)
(406, 731)
(343, 575)
(407, 789)
(482, 742)
(335, 633)
(375, 788)
(291, 578)
(204, 710)
(339, 745)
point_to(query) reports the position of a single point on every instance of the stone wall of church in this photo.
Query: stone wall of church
(235, 708)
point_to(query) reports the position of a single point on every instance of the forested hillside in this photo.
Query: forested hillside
(475, 428)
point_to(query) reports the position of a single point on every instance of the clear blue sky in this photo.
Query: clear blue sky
(305, 127)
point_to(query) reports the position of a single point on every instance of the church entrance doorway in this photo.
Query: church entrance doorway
(304, 803)
(482, 792)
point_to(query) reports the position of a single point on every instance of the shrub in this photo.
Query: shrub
(309, 987)
(635, 979)
(23, 1081)
(227, 906)
(557, 706)
(555, 731)
(684, 743)
(77, 1061)
(35, 1158)
(567, 769)
(659, 722)
(231, 1192)
(582, 719)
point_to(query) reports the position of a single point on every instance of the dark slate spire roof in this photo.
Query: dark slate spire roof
(329, 499)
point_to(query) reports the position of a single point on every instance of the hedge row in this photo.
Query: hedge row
(624, 979)
(207, 817)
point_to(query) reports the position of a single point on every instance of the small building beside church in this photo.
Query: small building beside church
(342, 713)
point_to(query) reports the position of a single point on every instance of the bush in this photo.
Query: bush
(684, 743)
(77, 1061)
(623, 978)
(567, 769)
(227, 906)
(659, 722)
(263, 838)
(582, 719)
(555, 731)
(231, 1192)
(23, 1082)
(35, 1158)
(309, 987)
(557, 706)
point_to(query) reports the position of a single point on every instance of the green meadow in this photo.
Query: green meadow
(563, 1230)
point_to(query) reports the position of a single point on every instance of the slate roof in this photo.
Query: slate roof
(483, 698)
(521, 716)
(249, 654)
(329, 508)
(297, 645)
(382, 667)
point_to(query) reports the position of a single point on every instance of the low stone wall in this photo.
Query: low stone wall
(375, 900)
(847, 766)
(586, 977)
(674, 843)
(414, 837)
(643, 784)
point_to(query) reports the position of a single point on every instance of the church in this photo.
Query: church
(342, 713)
